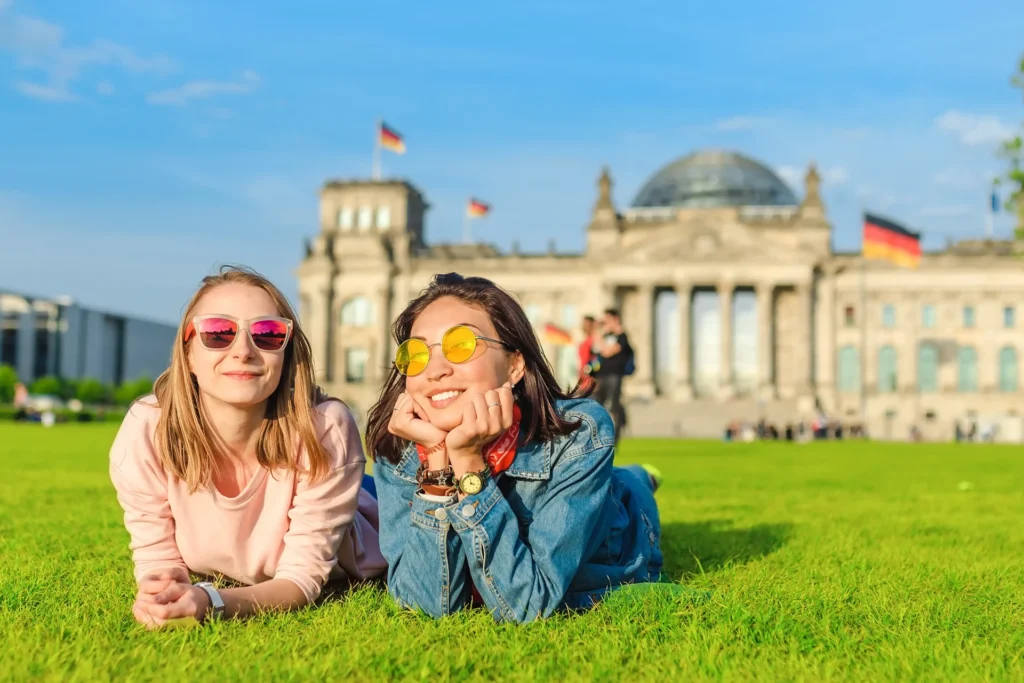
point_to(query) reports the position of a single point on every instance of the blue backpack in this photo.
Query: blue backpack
(630, 366)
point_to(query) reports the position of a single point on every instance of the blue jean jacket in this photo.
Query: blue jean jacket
(557, 530)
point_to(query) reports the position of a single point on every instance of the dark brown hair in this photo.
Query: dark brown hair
(535, 394)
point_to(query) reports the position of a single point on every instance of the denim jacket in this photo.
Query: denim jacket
(557, 530)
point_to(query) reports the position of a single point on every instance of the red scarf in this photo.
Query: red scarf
(500, 453)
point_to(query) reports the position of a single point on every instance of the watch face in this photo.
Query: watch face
(471, 483)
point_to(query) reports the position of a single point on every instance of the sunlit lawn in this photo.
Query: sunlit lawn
(846, 561)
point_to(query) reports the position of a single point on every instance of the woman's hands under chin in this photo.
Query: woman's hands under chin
(409, 421)
(483, 420)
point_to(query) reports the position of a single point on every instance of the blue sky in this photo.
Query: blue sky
(144, 143)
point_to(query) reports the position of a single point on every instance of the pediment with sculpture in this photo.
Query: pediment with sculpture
(701, 242)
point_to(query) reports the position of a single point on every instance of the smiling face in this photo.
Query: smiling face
(444, 388)
(241, 375)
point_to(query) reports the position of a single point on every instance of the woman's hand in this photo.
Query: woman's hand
(161, 600)
(409, 422)
(483, 421)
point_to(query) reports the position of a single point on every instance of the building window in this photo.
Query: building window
(967, 377)
(532, 313)
(849, 316)
(887, 377)
(355, 365)
(569, 316)
(968, 316)
(365, 218)
(566, 366)
(1007, 369)
(383, 217)
(9, 323)
(928, 316)
(357, 312)
(345, 218)
(927, 368)
(1009, 317)
(849, 369)
(888, 316)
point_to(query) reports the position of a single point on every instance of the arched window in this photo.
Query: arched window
(927, 367)
(357, 312)
(849, 369)
(887, 377)
(967, 377)
(1008, 369)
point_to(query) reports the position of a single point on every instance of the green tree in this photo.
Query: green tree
(92, 392)
(1013, 152)
(129, 391)
(47, 386)
(8, 380)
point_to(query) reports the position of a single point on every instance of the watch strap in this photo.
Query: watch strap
(216, 601)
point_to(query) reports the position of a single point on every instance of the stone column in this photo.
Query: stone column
(825, 333)
(316, 322)
(381, 354)
(765, 340)
(804, 341)
(642, 341)
(684, 376)
(725, 292)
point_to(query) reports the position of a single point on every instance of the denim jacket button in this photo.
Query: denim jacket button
(468, 510)
(441, 514)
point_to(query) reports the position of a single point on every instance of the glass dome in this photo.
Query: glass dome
(711, 179)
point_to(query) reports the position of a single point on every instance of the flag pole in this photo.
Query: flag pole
(465, 228)
(376, 151)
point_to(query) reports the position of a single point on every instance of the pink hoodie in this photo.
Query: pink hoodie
(281, 526)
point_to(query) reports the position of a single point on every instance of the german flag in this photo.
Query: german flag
(888, 241)
(390, 138)
(553, 334)
(477, 209)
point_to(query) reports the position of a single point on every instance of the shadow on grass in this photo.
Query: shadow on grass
(692, 548)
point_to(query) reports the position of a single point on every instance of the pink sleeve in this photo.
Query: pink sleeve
(141, 486)
(323, 512)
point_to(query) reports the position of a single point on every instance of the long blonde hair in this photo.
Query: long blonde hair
(184, 442)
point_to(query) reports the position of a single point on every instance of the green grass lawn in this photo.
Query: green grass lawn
(845, 561)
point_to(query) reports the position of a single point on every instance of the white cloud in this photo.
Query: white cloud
(45, 93)
(105, 88)
(195, 90)
(741, 123)
(40, 46)
(975, 129)
(944, 211)
(790, 174)
(837, 175)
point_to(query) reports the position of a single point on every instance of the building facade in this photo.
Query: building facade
(41, 337)
(735, 302)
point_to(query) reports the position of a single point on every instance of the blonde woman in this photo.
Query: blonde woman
(237, 467)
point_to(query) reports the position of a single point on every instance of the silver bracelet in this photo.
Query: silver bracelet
(216, 601)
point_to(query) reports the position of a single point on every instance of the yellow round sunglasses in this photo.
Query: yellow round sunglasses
(458, 345)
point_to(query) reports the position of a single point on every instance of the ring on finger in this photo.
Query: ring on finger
(491, 405)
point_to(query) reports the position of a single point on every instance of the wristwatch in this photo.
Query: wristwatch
(216, 602)
(473, 482)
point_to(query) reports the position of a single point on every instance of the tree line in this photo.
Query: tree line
(89, 391)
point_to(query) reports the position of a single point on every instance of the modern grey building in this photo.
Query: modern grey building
(40, 337)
